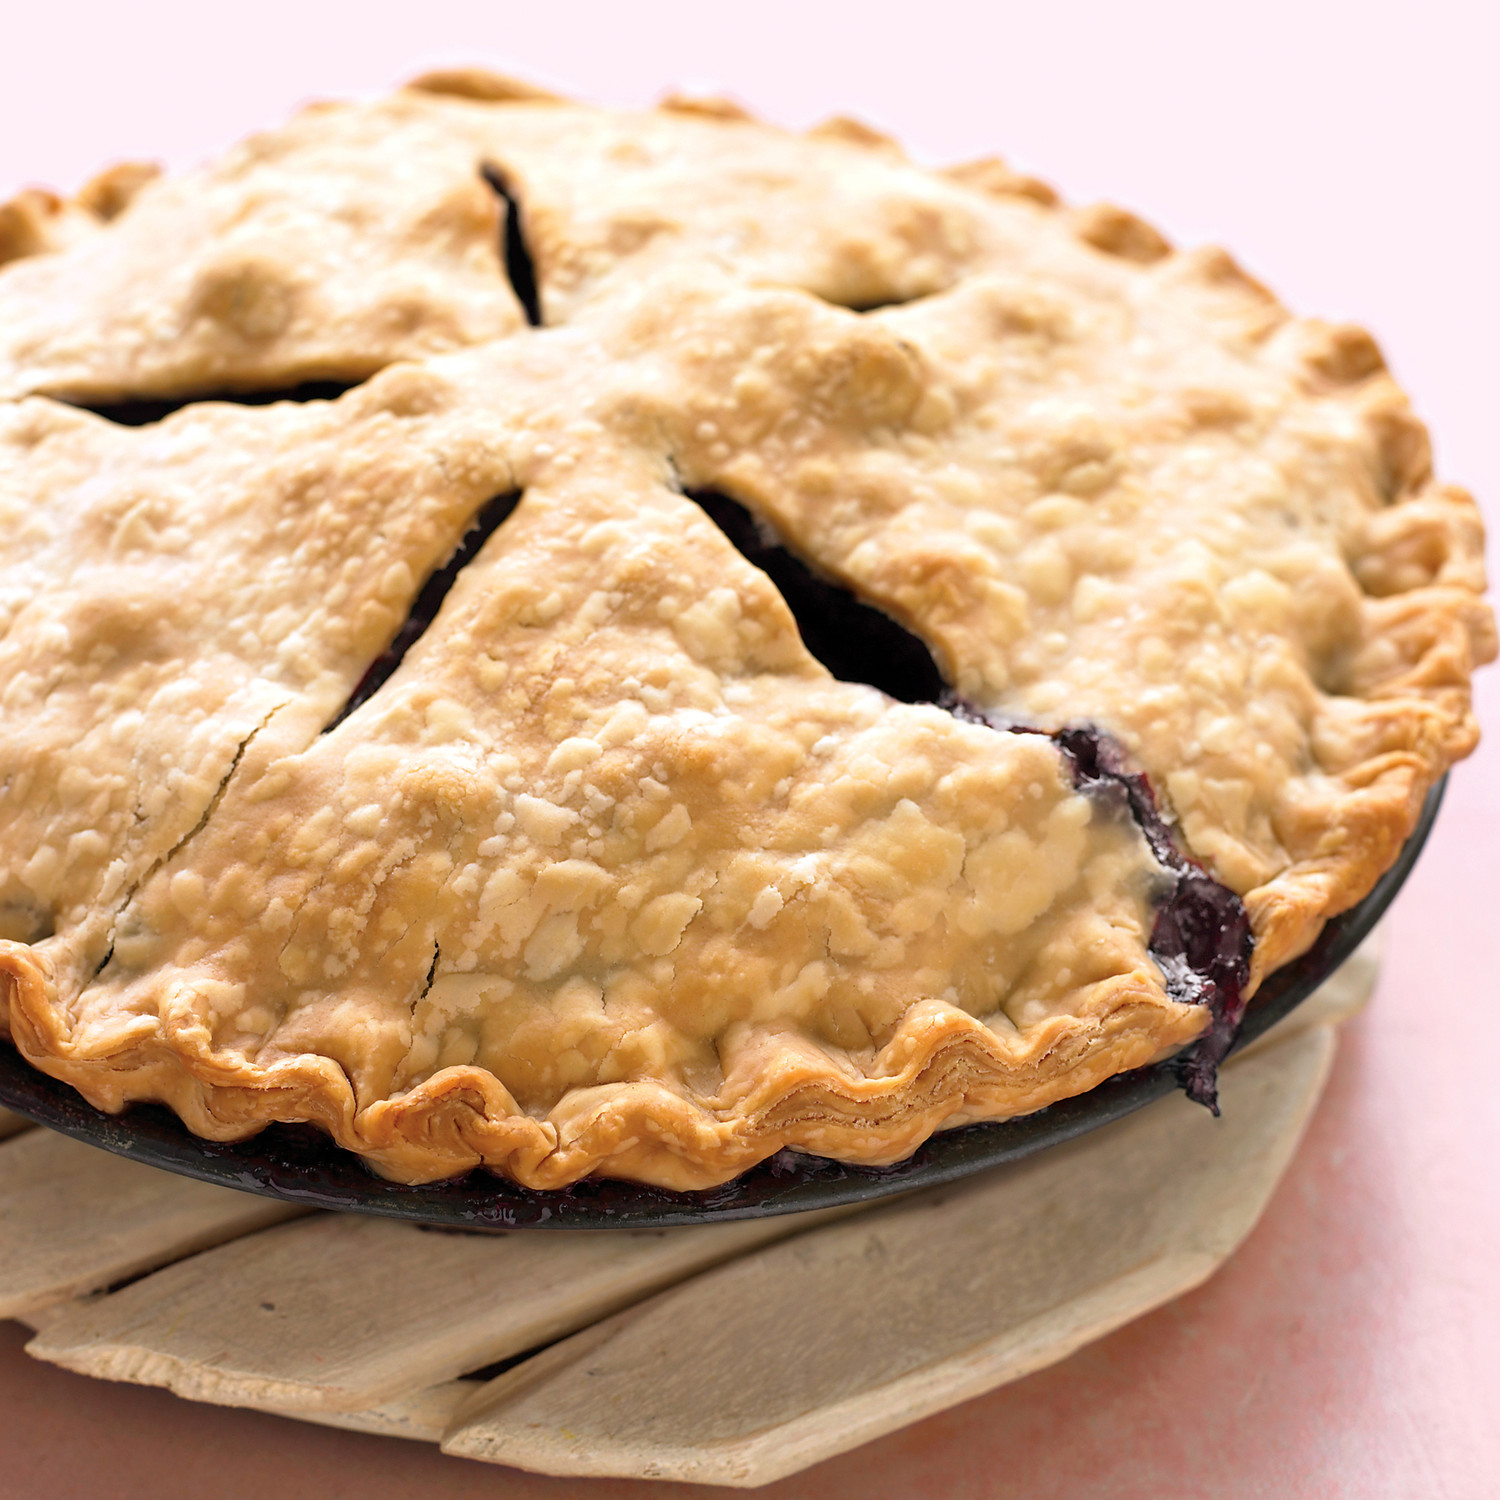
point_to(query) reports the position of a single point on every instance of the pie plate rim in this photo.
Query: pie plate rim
(299, 1164)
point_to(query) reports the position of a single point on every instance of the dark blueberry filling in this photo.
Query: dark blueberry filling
(427, 603)
(1201, 938)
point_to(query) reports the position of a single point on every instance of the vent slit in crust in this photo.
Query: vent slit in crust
(880, 304)
(429, 600)
(519, 266)
(854, 640)
(144, 413)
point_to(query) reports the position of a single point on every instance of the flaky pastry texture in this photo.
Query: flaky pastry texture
(573, 859)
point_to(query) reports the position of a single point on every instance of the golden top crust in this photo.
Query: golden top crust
(292, 259)
(611, 875)
(36, 221)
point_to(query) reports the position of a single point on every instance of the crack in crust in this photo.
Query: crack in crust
(609, 876)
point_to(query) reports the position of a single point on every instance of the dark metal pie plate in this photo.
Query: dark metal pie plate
(301, 1164)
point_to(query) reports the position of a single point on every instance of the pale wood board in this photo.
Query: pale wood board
(392, 1308)
(784, 1358)
(12, 1124)
(74, 1219)
(423, 1416)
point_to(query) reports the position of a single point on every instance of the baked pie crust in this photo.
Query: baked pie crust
(600, 870)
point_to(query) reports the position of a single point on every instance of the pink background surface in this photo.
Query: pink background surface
(1349, 154)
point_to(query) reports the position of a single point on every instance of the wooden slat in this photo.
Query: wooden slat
(789, 1356)
(343, 1312)
(423, 1416)
(12, 1124)
(74, 1219)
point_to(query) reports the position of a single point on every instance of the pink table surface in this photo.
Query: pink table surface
(1352, 1347)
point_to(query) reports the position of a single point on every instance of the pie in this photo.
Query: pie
(618, 643)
